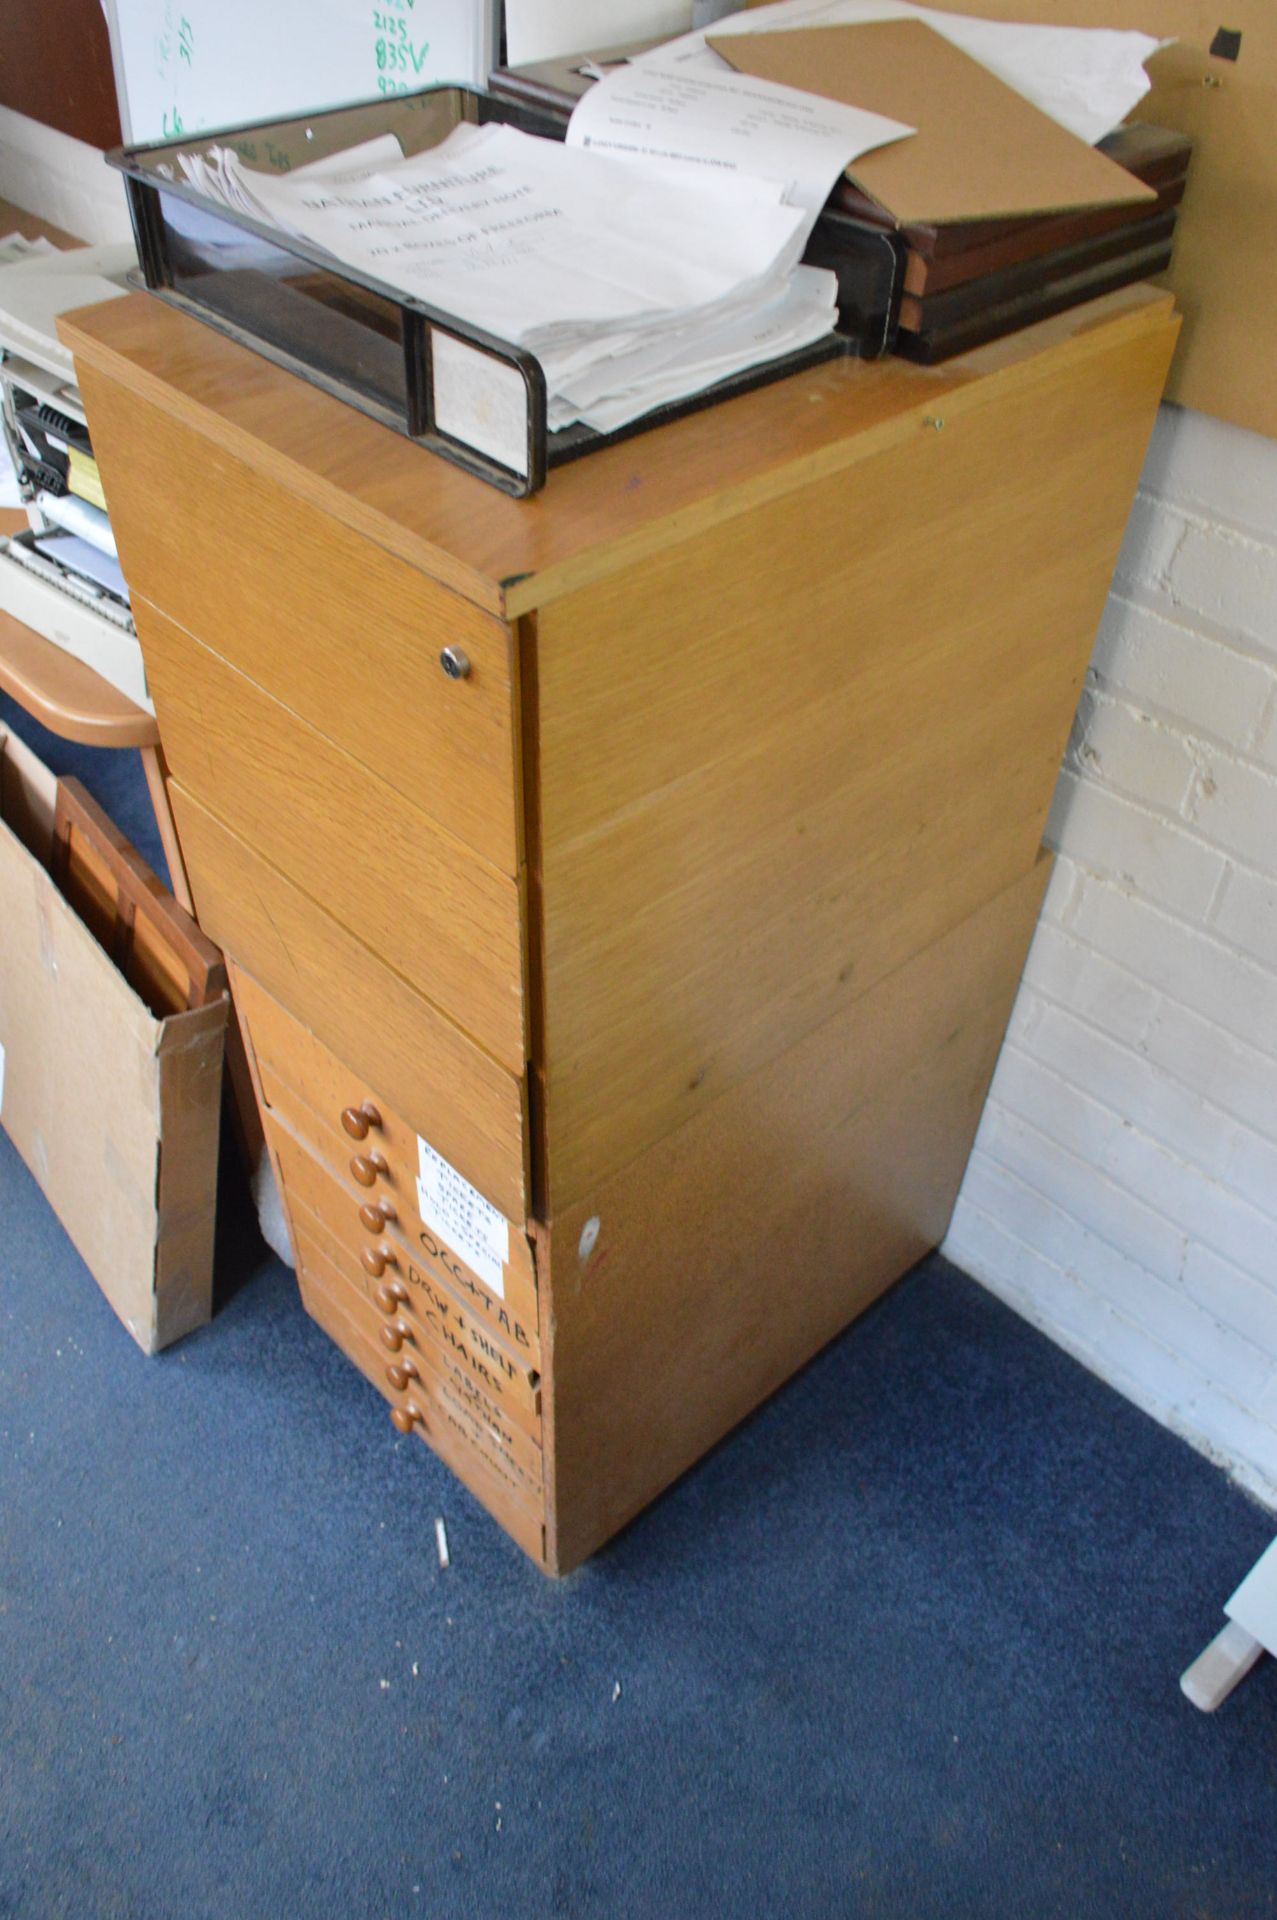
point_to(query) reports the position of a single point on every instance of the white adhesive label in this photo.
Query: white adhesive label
(480, 400)
(470, 1224)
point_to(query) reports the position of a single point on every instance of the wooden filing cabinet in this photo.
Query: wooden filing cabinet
(669, 939)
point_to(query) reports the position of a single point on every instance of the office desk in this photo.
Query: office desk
(672, 942)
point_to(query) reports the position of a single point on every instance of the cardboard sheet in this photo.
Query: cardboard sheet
(1224, 275)
(981, 151)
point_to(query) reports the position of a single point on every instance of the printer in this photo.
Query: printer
(61, 574)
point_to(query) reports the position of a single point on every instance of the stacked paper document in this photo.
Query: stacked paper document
(634, 282)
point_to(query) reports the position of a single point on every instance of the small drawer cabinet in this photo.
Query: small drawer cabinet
(626, 889)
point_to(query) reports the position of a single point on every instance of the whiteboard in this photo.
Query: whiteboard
(187, 66)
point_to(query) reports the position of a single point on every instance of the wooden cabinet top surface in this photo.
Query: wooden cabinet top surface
(608, 510)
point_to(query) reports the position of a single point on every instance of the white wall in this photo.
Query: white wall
(1123, 1190)
(62, 179)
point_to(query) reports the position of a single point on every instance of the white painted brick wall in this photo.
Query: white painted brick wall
(1123, 1189)
(62, 179)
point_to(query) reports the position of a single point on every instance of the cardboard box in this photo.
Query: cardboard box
(114, 1108)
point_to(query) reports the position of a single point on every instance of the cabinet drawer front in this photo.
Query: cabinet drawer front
(447, 920)
(312, 1091)
(517, 1508)
(418, 1358)
(448, 1089)
(408, 1300)
(515, 1455)
(341, 631)
(392, 1195)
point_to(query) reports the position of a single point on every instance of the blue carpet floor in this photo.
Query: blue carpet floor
(906, 1645)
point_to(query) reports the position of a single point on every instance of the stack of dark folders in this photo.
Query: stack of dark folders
(970, 281)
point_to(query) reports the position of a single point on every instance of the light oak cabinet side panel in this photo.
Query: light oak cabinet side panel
(727, 1255)
(776, 760)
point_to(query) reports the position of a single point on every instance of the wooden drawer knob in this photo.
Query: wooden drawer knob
(391, 1295)
(406, 1417)
(366, 1167)
(394, 1333)
(357, 1120)
(376, 1214)
(400, 1372)
(375, 1260)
